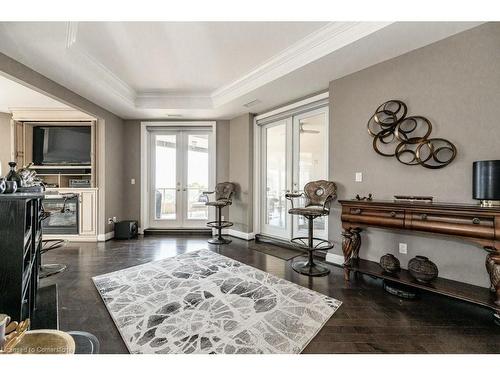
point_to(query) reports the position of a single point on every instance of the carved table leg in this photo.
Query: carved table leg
(493, 267)
(350, 247)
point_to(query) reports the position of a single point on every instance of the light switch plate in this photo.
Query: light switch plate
(359, 177)
(403, 248)
(132, 181)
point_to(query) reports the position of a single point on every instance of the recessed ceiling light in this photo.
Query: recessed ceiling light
(252, 103)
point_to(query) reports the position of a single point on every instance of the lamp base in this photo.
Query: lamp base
(488, 203)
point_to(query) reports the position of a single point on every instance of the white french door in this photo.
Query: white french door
(294, 151)
(180, 170)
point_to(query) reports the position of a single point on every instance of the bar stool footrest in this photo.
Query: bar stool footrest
(219, 224)
(318, 243)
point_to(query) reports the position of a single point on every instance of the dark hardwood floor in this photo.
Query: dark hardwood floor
(369, 320)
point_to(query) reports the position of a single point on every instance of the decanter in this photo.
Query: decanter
(13, 175)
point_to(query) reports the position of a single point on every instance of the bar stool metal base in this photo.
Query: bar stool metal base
(305, 267)
(219, 241)
(219, 224)
(310, 243)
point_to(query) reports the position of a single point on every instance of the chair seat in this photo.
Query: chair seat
(309, 210)
(219, 203)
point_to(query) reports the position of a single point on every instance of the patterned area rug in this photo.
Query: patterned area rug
(203, 302)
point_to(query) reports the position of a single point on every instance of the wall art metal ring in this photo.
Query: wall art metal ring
(407, 138)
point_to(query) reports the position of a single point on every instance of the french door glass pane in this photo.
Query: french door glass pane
(165, 177)
(276, 176)
(312, 157)
(197, 176)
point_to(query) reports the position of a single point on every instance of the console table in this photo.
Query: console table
(479, 225)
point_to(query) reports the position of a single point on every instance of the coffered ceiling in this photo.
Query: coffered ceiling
(207, 69)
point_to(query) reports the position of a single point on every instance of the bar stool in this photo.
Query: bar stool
(47, 270)
(223, 193)
(318, 195)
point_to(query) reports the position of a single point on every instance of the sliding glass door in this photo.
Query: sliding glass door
(294, 152)
(179, 173)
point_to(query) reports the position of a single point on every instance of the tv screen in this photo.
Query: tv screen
(61, 145)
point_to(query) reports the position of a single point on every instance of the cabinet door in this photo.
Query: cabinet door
(88, 213)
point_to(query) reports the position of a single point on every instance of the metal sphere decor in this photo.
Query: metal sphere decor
(407, 138)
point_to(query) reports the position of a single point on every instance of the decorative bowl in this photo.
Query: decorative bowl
(422, 269)
(390, 263)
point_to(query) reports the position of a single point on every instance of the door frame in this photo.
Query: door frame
(305, 105)
(282, 234)
(145, 162)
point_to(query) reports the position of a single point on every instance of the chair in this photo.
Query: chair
(223, 193)
(318, 197)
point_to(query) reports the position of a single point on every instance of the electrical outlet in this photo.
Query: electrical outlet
(132, 181)
(115, 220)
(403, 248)
(359, 177)
(110, 220)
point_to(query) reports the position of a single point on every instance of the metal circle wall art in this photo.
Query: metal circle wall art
(407, 138)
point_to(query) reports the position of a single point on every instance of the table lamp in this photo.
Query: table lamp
(486, 182)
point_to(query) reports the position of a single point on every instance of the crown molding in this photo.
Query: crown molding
(324, 41)
(49, 114)
(104, 75)
(71, 33)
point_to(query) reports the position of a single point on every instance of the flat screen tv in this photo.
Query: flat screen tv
(61, 145)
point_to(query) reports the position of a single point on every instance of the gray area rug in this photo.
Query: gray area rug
(203, 302)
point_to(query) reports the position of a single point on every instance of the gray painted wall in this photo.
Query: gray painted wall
(5, 142)
(241, 172)
(109, 148)
(455, 83)
(114, 169)
(132, 163)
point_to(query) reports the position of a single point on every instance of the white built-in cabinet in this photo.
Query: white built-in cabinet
(87, 215)
(23, 121)
(88, 212)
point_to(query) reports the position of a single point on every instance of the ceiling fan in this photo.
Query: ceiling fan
(310, 131)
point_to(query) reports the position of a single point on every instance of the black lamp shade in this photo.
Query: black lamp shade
(486, 180)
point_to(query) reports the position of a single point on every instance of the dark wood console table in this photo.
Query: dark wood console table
(479, 225)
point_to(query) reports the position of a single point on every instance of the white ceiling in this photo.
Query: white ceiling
(14, 95)
(207, 69)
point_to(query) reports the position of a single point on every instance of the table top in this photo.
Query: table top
(15, 196)
(419, 204)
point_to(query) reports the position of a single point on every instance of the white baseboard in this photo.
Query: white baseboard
(70, 237)
(242, 235)
(106, 236)
(335, 259)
